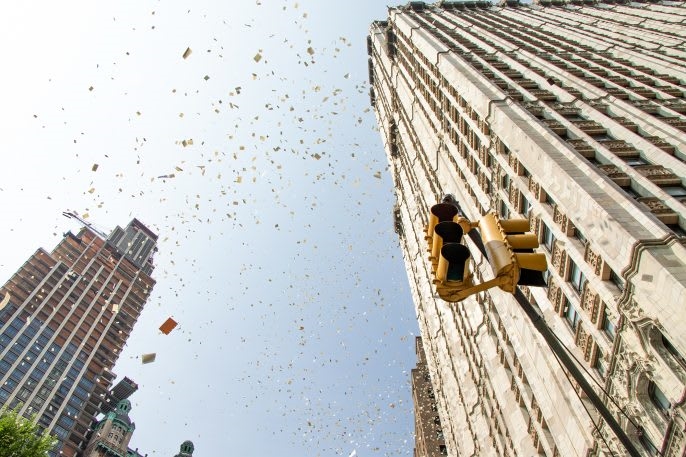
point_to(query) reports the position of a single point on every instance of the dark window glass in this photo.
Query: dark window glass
(658, 397)
(609, 327)
(675, 191)
(571, 315)
(576, 277)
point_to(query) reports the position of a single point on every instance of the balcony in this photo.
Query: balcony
(660, 143)
(626, 123)
(543, 94)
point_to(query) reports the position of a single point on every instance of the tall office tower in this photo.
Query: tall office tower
(69, 314)
(428, 433)
(570, 115)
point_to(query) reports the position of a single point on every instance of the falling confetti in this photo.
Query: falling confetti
(148, 358)
(187, 53)
(168, 326)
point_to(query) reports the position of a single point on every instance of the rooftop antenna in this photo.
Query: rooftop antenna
(73, 215)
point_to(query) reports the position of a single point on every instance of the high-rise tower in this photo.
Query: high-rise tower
(69, 314)
(569, 114)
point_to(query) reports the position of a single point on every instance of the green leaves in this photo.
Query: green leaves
(20, 437)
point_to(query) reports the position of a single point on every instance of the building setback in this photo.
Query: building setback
(69, 314)
(570, 115)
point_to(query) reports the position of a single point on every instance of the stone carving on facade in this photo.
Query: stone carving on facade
(555, 295)
(615, 174)
(514, 196)
(535, 188)
(560, 219)
(662, 211)
(594, 260)
(658, 174)
(514, 163)
(590, 301)
(677, 439)
(559, 257)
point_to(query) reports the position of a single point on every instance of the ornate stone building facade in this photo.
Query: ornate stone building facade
(570, 114)
(112, 434)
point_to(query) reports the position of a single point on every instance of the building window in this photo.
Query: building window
(609, 327)
(675, 191)
(571, 315)
(576, 277)
(658, 398)
(647, 443)
(549, 200)
(600, 365)
(617, 280)
(672, 351)
(635, 161)
(504, 212)
(548, 238)
(525, 206)
(442, 449)
(580, 236)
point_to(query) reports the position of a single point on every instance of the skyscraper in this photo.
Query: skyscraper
(69, 314)
(568, 114)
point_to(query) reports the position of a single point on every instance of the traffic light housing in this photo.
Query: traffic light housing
(510, 251)
(449, 257)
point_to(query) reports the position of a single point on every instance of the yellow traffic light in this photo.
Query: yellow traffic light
(510, 251)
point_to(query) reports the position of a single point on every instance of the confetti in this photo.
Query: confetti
(168, 326)
(148, 358)
(257, 57)
(187, 53)
(94, 167)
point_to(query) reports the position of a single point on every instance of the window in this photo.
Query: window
(580, 236)
(673, 351)
(609, 327)
(442, 449)
(548, 237)
(647, 443)
(504, 212)
(617, 280)
(635, 161)
(600, 365)
(576, 277)
(549, 200)
(525, 206)
(571, 315)
(658, 398)
(675, 191)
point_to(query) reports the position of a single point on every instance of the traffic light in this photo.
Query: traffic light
(449, 258)
(510, 251)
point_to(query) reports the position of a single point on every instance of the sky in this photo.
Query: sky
(258, 162)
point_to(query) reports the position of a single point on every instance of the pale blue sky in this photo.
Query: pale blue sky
(277, 253)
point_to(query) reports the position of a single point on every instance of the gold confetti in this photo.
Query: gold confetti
(187, 53)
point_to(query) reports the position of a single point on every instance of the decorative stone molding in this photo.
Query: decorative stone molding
(535, 224)
(659, 175)
(582, 147)
(559, 257)
(555, 296)
(664, 213)
(594, 260)
(615, 174)
(675, 104)
(590, 301)
(561, 219)
(677, 439)
(514, 196)
(535, 188)
(590, 127)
